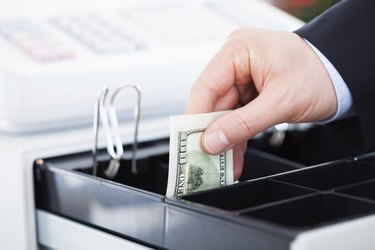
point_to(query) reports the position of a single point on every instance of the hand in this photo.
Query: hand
(268, 77)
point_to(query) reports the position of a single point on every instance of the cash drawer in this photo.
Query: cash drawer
(268, 209)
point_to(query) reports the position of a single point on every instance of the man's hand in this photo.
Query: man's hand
(268, 77)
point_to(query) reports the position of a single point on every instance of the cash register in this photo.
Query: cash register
(55, 56)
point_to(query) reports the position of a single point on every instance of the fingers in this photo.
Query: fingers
(242, 124)
(228, 66)
(213, 83)
(228, 100)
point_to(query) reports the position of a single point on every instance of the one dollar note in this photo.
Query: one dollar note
(190, 168)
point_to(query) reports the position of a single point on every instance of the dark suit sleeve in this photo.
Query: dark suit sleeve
(345, 34)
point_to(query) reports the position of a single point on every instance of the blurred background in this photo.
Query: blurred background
(306, 10)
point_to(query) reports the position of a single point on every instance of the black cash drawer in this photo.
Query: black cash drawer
(275, 201)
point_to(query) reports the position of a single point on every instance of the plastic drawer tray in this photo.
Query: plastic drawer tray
(276, 200)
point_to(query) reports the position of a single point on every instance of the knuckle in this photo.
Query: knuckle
(238, 31)
(238, 42)
(235, 48)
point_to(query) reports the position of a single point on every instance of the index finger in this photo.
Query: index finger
(217, 78)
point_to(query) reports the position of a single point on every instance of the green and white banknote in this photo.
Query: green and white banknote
(190, 168)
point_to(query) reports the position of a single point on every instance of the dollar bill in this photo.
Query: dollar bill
(190, 168)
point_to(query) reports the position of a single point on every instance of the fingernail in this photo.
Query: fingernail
(216, 142)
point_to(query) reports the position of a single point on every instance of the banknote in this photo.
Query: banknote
(190, 168)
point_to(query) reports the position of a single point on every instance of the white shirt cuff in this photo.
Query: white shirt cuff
(345, 106)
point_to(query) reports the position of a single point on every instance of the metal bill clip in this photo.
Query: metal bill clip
(105, 113)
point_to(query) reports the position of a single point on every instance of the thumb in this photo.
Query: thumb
(242, 124)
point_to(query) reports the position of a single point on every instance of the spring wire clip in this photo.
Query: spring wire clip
(105, 113)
